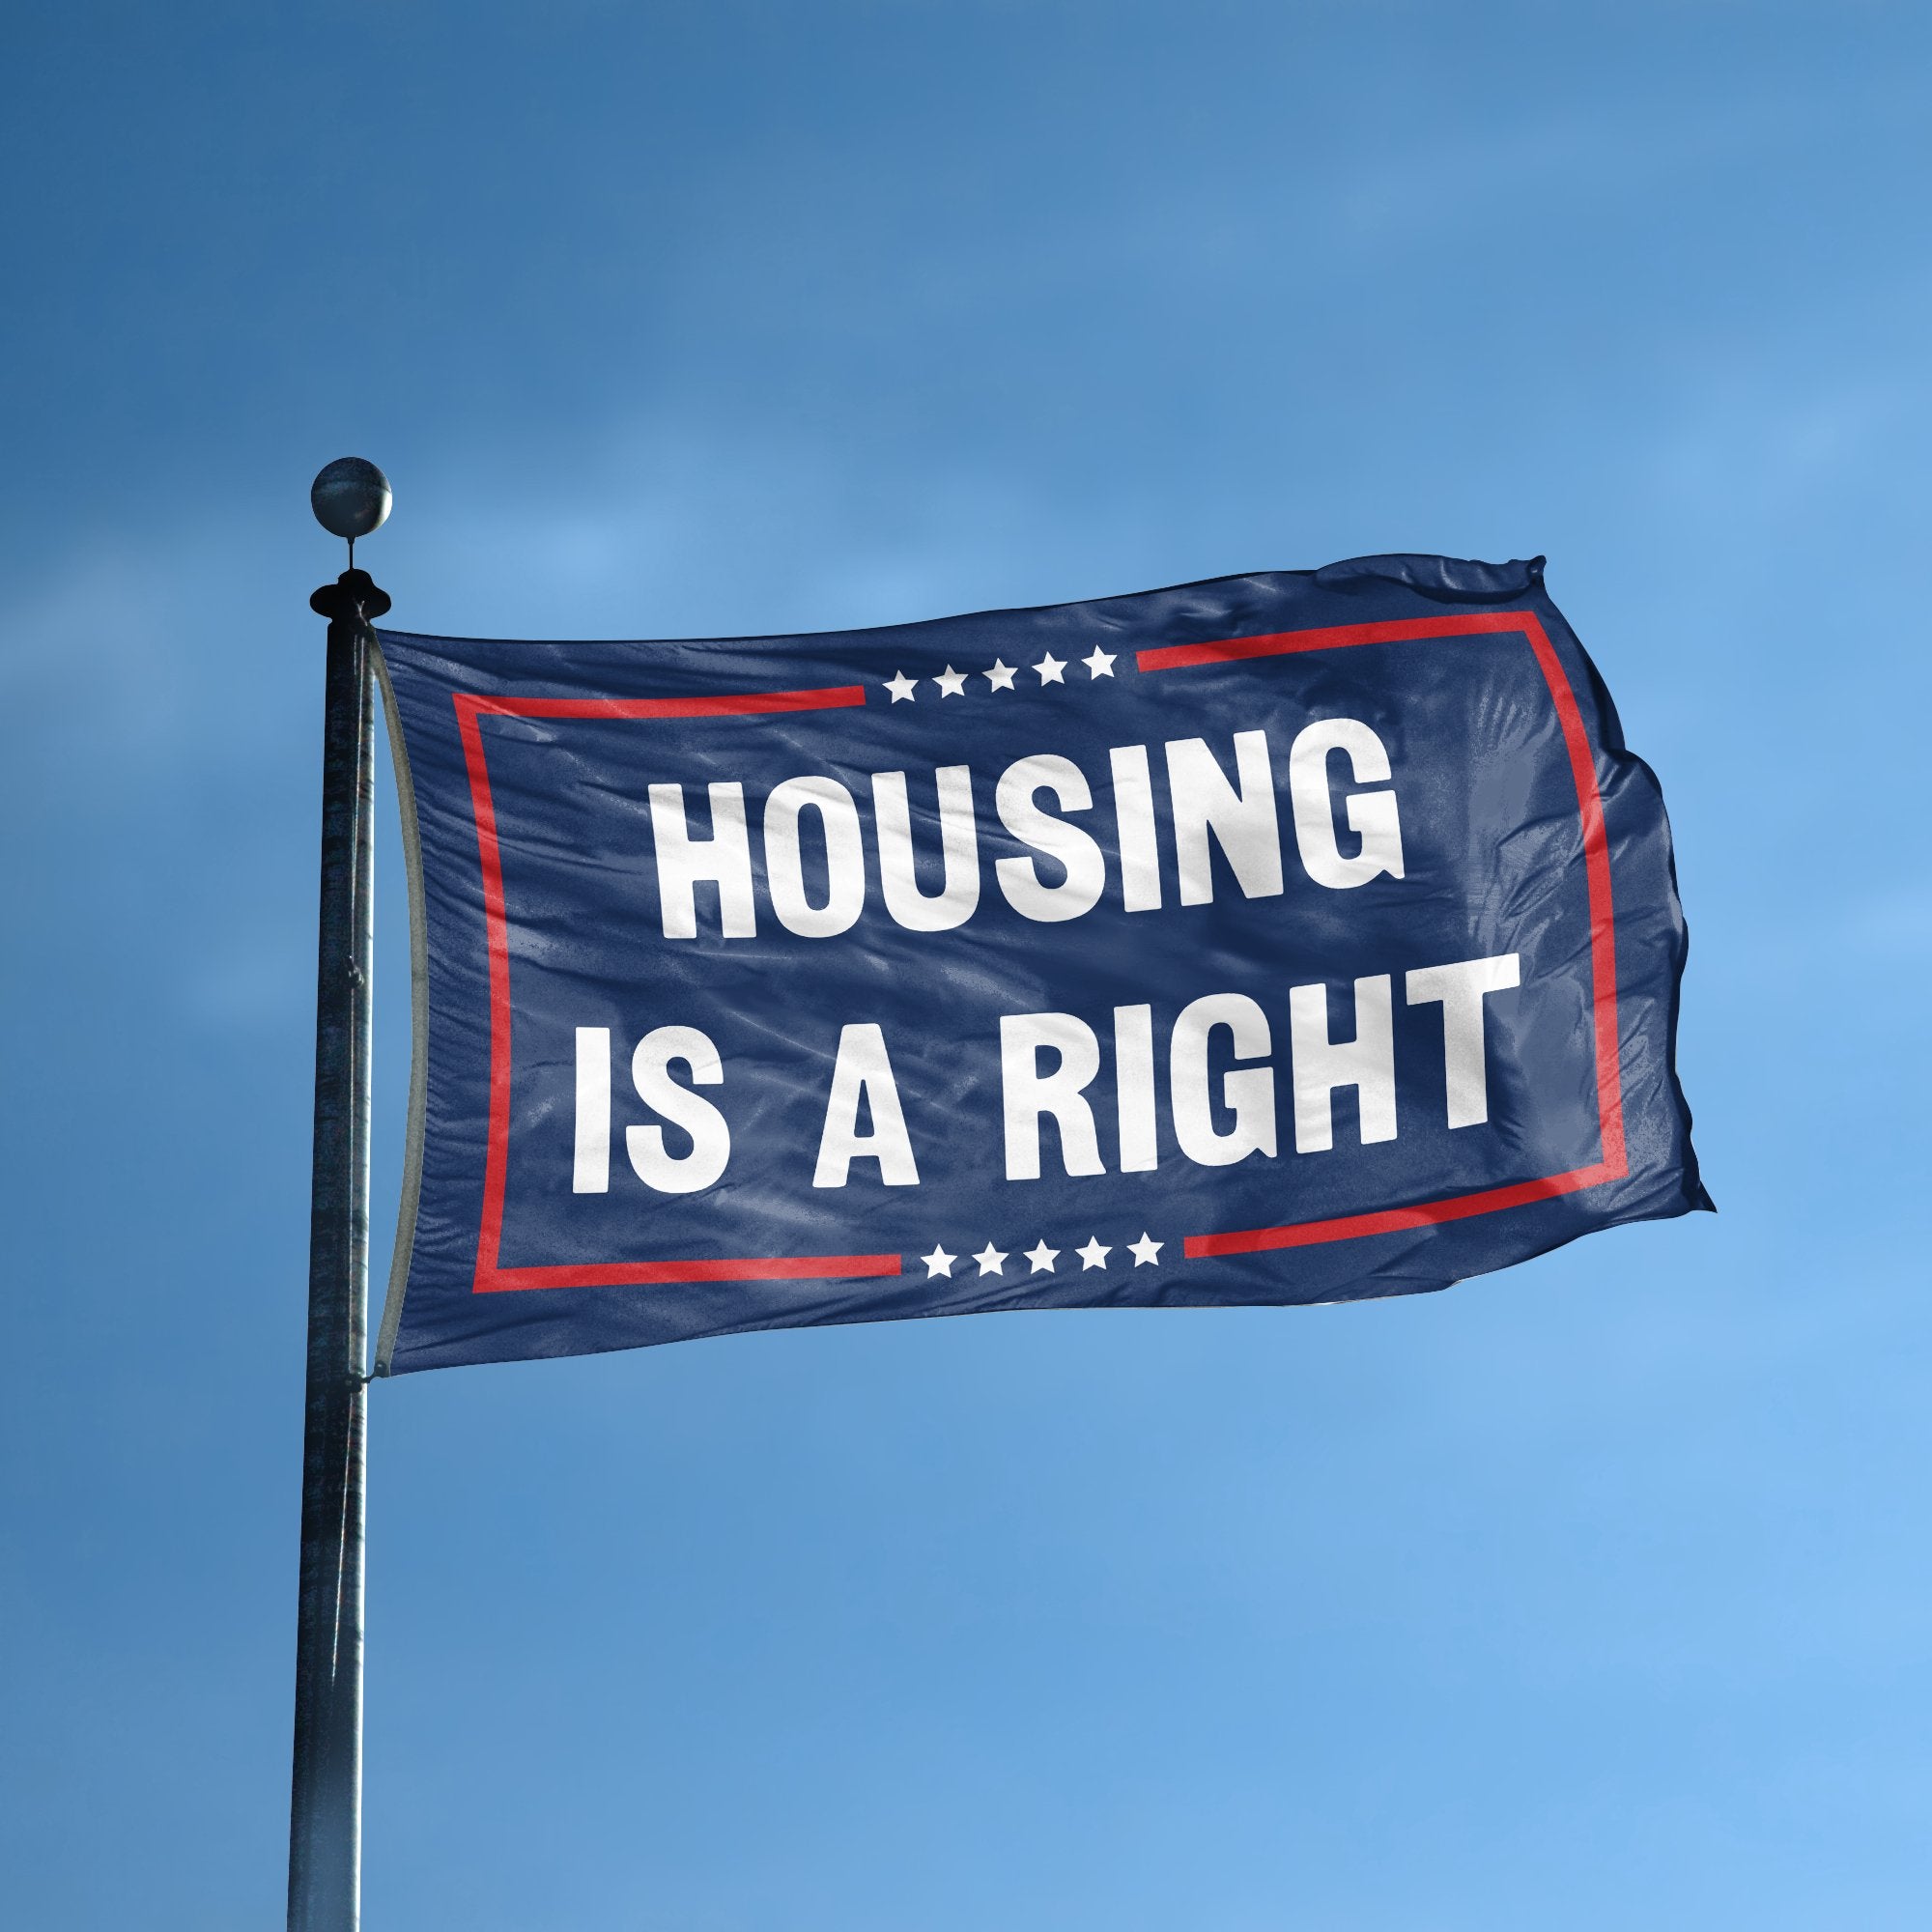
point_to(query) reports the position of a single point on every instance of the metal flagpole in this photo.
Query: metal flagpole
(351, 498)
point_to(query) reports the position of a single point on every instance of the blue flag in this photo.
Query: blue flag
(1299, 937)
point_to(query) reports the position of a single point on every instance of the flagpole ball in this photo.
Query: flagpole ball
(350, 498)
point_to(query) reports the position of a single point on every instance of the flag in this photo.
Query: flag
(1298, 937)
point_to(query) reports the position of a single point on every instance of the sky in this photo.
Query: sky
(1593, 1594)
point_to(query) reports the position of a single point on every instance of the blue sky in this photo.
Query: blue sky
(1591, 1595)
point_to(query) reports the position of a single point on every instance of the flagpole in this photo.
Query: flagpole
(351, 498)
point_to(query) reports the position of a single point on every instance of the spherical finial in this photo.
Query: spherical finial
(350, 497)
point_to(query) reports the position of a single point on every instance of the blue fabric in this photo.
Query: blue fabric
(1503, 940)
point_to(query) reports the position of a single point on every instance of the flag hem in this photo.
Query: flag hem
(413, 1133)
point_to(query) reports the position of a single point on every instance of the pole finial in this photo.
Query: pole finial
(350, 497)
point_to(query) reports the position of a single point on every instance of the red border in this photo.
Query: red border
(1616, 1163)
(470, 706)
(491, 1278)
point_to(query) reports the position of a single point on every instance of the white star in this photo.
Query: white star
(991, 1261)
(1092, 1255)
(1042, 1257)
(951, 683)
(1100, 663)
(938, 1261)
(1049, 668)
(1000, 676)
(1146, 1250)
(902, 687)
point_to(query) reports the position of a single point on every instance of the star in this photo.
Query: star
(938, 1261)
(1042, 1257)
(1092, 1255)
(902, 687)
(1100, 663)
(991, 1261)
(1000, 676)
(951, 683)
(1146, 1250)
(1049, 668)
